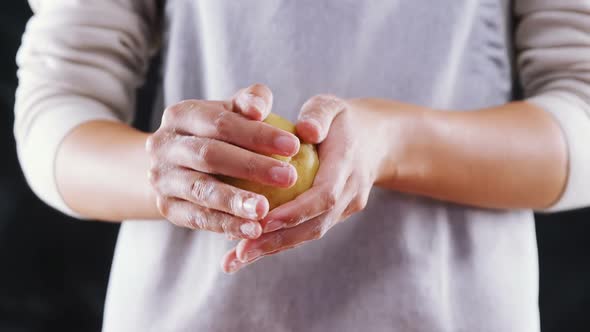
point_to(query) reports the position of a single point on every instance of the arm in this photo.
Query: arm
(79, 65)
(511, 156)
(530, 154)
(102, 167)
(553, 44)
(80, 62)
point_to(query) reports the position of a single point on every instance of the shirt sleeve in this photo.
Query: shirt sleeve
(79, 61)
(553, 45)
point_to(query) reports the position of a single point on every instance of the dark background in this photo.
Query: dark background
(54, 270)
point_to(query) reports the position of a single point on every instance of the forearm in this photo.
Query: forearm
(101, 172)
(511, 156)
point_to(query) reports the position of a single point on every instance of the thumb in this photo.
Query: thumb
(316, 117)
(254, 102)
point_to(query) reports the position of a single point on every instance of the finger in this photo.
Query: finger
(323, 196)
(207, 191)
(216, 157)
(284, 239)
(230, 263)
(357, 203)
(231, 237)
(312, 203)
(189, 215)
(249, 251)
(211, 119)
(254, 102)
(252, 135)
(177, 115)
(316, 116)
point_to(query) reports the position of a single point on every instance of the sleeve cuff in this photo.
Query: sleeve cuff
(38, 153)
(573, 116)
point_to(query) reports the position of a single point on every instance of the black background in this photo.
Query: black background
(54, 270)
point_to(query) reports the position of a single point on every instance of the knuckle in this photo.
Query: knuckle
(316, 234)
(154, 176)
(358, 204)
(317, 99)
(192, 222)
(205, 151)
(155, 141)
(298, 220)
(238, 93)
(150, 143)
(223, 124)
(347, 118)
(318, 231)
(311, 106)
(260, 90)
(233, 201)
(337, 103)
(347, 149)
(310, 103)
(172, 113)
(364, 198)
(225, 223)
(197, 221)
(163, 206)
(328, 198)
(175, 112)
(201, 189)
(277, 240)
(259, 138)
(251, 166)
(258, 86)
(327, 103)
(362, 203)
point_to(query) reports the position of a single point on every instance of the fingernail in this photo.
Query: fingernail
(233, 266)
(242, 101)
(252, 254)
(273, 225)
(258, 103)
(286, 144)
(250, 229)
(283, 174)
(247, 100)
(250, 206)
(314, 123)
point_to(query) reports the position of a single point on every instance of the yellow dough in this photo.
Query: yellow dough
(306, 163)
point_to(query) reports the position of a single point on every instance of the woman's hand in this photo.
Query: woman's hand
(353, 148)
(198, 139)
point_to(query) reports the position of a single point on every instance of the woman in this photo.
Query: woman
(420, 217)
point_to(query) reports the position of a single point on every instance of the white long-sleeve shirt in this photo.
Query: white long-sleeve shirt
(82, 60)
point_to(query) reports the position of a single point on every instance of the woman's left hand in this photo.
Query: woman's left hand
(354, 145)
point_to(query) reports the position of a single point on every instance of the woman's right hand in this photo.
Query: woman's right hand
(198, 139)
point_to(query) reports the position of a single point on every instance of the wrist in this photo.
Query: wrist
(149, 198)
(404, 133)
